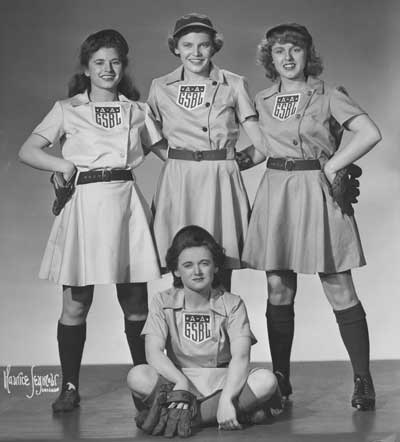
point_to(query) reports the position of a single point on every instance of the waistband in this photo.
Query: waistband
(198, 155)
(95, 176)
(290, 164)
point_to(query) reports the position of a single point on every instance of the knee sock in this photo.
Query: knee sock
(354, 331)
(135, 341)
(246, 402)
(280, 325)
(71, 340)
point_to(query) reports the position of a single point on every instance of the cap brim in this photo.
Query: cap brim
(193, 25)
(287, 27)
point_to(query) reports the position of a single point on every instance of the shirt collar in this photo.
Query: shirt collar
(312, 84)
(83, 98)
(216, 74)
(176, 300)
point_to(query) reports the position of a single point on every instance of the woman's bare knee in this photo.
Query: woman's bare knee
(263, 383)
(142, 379)
(282, 287)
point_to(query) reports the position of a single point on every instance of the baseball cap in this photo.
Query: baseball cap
(193, 19)
(302, 30)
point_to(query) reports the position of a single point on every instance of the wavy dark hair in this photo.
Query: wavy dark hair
(314, 65)
(194, 236)
(106, 38)
(217, 38)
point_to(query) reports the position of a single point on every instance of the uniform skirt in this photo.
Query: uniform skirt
(102, 236)
(210, 194)
(296, 225)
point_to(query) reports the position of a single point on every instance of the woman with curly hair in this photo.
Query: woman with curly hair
(102, 234)
(296, 226)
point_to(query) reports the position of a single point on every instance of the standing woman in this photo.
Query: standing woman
(102, 235)
(200, 109)
(296, 226)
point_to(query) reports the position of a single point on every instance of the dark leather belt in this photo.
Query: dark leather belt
(197, 155)
(95, 176)
(293, 164)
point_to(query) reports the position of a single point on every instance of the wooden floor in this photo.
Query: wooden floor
(320, 408)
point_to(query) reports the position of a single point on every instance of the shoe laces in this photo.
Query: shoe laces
(363, 386)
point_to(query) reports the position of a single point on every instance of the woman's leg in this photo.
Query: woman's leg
(133, 300)
(350, 316)
(260, 387)
(71, 336)
(282, 286)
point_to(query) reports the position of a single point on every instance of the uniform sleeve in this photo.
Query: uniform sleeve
(238, 323)
(244, 104)
(343, 107)
(156, 323)
(151, 132)
(52, 126)
(153, 103)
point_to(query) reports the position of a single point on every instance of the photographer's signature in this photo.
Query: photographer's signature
(35, 383)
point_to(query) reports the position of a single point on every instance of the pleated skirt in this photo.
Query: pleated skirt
(296, 225)
(102, 236)
(210, 194)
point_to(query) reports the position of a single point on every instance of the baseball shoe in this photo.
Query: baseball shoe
(67, 400)
(364, 393)
(284, 385)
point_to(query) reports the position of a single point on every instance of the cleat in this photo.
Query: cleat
(68, 399)
(284, 385)
(364, 393)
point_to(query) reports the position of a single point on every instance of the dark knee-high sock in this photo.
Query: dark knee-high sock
(135, 341)
(354, 331)
(280, 325)
(71, 340)
(246, 402)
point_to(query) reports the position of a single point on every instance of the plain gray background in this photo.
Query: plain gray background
(359, 43)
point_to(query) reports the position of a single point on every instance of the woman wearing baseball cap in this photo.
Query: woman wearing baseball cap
(296, 224)
(200, 109)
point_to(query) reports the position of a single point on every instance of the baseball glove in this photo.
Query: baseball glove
(63, 190)
(148, 419)
(345, 188)
(244, 160)
(180, 420)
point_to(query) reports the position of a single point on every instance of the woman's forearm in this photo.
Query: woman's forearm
(32, 154)
(164, 366)
(365, 136)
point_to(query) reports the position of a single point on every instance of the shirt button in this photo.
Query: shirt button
(298, 116)
(295, 142)
(214, 83)
(207, 104)
(204, 129)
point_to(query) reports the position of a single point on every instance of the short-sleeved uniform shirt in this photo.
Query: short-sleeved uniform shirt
(198, 339)
(100, 134)
(307, 124)
(203, 115)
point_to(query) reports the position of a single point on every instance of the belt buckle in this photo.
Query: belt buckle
(289, 165)
(106, 175)
(198, 155)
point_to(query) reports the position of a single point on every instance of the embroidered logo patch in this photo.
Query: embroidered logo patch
(108, 116)
(191, 97)
(197, 327)
(285, 106)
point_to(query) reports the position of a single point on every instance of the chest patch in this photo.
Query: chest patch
(107, 116)
(285, 106)
(191, 96)
(197, 327)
